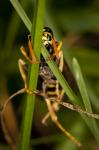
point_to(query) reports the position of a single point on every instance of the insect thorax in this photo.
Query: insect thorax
(45, 72)
(50, 86)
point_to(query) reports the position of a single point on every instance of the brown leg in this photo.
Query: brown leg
(23, 72)
(25, 54)
(31, 57)
(47, 116)
(61, 62)
(57, 46)
(55, 107)
(23, 90)
(55, 120)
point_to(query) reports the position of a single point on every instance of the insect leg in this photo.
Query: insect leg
(46, 117)
(59, 45)
(61, 61)
(25, 54)
(55, 107)
(24, 72)
(33, 57)
(55, 47)
(23, 90)
(30, 56)
(78, 109)
(3, 123)
(55, 120)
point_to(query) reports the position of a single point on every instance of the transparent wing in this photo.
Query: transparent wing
(69, 77)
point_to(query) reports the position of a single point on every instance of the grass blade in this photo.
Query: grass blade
(85, 97)
(33, 74)
(21, 13)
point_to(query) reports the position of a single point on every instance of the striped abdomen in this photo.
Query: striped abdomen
(52, 90)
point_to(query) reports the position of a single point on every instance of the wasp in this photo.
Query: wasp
(50, 90)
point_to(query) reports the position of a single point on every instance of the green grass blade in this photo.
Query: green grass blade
(21, 13)
(85, 97)
(81, 85)
(36, 36)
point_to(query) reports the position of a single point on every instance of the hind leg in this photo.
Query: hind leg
(55, 120)
(55, 107)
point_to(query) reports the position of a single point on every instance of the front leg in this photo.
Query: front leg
(23, 68)
(30, 54)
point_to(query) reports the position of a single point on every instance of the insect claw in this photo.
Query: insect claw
(29, 37)
(44, 123)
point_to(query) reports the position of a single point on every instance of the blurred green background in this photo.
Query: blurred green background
(76, 23)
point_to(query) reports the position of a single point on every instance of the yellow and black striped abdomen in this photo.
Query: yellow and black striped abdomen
(51, 91)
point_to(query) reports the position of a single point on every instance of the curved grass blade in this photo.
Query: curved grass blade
(22, 14)
(85, 97)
